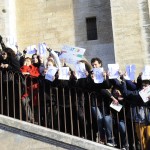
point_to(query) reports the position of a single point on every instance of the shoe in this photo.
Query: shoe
(110, 143)
(125, 147)
(101, 142)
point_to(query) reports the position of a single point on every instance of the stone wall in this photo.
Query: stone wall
(103, 47)
(59, 22)
(8, 19)
(123, 27)
(3, 17)
(64, 22)
(128, 31)
(49, 21)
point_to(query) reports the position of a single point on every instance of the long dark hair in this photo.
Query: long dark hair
(88, 66)
(39, 62)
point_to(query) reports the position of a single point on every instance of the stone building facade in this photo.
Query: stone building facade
(122, 27)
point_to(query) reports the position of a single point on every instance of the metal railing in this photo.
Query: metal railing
(71, 110)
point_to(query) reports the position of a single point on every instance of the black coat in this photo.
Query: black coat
(13, 64)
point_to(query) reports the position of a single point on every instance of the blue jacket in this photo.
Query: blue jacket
(132, 97)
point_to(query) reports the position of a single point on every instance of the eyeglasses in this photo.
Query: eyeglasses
(3, 53)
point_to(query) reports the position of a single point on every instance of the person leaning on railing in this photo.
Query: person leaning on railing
(65, 103)
(48, 90)
(140, 110)
(31, 74)
(8, 66)
(83, 111)
(120, 123)
(101, 109)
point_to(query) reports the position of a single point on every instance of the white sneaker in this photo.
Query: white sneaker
(111, 144)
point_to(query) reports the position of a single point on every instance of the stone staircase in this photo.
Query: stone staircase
(20, 135)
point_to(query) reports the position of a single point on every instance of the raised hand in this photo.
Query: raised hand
(1, 38)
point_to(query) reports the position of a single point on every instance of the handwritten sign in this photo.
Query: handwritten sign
(75, 50)
(72, 54)
(64, 73)
(68, 58)
(145, 94)
(130, 70)
(42, 49)
(98, 75)
(146, 73)
(31, 49)
(113, 70)
(80, 69)
(51, 73)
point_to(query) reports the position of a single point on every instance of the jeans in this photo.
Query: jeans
(104, 123)
(122, 130)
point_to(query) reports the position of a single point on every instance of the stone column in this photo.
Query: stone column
(145, 28)
(8, 19)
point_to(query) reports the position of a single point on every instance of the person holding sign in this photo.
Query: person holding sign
(82, 71)
(125, 101)
(104, 97)
(113, 70)
(55, 55)
(118, 112)
(50, 70)
(66, 105)
(48, 89)
(141, 115)
(97, 64)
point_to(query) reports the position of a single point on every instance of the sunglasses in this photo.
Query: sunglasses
(3, 53)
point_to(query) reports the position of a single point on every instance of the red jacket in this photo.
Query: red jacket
(32, 70)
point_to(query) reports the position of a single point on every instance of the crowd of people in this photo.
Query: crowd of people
(72, 99)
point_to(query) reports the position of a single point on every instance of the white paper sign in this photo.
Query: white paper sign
(64, 73)
(113, 70)
(130, 70)
(80, 70)
(42, 49)
(146, 73)
(116, 107)
(51, 73)
(69, 58)
(31, 49)
(75, 50)
(98, 75)
(11, 42)
(72, 54)
(145, 93)
(56, 58)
